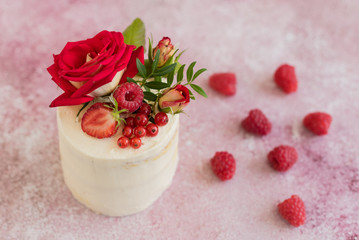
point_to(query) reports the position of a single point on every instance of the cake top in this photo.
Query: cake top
(109, 76)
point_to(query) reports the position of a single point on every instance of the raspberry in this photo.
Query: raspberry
(282, 157)
(318, 122)
(223, 165)
(129, 96)
(293, 210)
(256, 122)
(286, 79)
(224, 83)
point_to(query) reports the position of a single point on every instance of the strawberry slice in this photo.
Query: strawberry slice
(98, 121)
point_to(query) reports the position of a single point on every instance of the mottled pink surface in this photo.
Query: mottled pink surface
(250, 38)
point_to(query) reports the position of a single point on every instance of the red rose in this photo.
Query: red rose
(93, 67)
(175, 98)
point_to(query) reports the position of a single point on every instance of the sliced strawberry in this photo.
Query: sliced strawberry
(98, 121)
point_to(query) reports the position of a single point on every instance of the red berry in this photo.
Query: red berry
(140, 131)
(161, 119)
(98, 121)
(318, 122)
(282, 157)
(145, 109)
(141, 119)
(286, 79)
(223, 165)
(135, 142)
(127, 131)
(130, 121)
(293, 210)
(224, 83)
(257, 123)
(123, 142)
(151, 130)
(129, 96)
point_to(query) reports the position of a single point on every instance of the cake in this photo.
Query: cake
(118, 118)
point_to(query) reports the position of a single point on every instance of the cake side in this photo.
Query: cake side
(116, 186)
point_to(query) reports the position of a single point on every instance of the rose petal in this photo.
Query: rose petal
(63, 84)
(131, 70)
(66, 100)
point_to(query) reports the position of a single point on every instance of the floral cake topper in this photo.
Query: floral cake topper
(110, 72)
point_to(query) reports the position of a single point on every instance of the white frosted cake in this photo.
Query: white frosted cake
(118, 118)
(111, 180)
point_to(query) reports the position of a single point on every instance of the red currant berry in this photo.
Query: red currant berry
(145, 109)
(140, 131)
(141, 119)
(130, 121)
(123, 142)
(152, 130)
(127, 131)
(135, 142)
(161, 119)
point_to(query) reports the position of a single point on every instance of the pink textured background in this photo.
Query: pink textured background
(250, 38)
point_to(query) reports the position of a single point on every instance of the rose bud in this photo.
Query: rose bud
(166, 50)
(174, 99)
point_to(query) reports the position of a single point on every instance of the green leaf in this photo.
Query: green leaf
(135, 33)
(191, 95)
(147, 89)
(179, 55)
(155, 62)
(156, 85)
(131, 80)
(190, 71)
(198, 73)
(158, 79)
(199, 90)
(82, 108)
(150, 50)
(170, 78)
(150, 96)
(165, 70)
(141, 68)
(180, 73)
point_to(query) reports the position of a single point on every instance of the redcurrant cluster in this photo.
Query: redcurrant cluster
(138, 126)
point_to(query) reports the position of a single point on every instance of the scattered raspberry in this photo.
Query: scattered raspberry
(293, 210)
(224, 83)
(129, 96)
(223, 165)
(318, 122)
(98, 121)
(282, 157)
(286, 79)
(256, 122)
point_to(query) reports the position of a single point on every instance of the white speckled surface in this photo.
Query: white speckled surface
(250, 38)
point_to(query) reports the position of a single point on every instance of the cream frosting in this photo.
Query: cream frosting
(111, 180)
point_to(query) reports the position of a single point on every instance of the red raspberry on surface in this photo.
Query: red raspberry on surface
(98, 121)
(286, 79)
(318, 122)
(224, 83)
(129, 96)
(223, 165)
(282, 157)
(293, 210)
(257, 123)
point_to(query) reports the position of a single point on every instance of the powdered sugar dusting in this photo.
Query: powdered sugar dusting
(249, 38)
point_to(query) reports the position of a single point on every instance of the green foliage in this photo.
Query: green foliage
(135, 33)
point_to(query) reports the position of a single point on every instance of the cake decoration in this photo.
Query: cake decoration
(109, 73)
